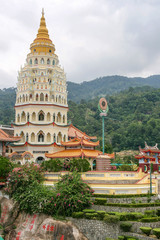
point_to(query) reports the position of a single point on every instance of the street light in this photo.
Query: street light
(103, 108)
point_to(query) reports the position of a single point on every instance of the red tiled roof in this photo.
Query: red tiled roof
(74, 132)
(80, 142)
(4, 137)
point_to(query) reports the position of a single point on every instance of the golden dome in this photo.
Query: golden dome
(42, 43)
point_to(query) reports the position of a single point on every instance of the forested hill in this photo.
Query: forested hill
(108, 85)
(133, 117)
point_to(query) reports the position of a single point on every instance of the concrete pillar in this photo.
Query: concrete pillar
(103, 163)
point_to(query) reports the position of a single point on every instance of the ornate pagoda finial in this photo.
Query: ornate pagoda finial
(43, 12)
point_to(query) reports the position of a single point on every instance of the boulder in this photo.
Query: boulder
(24, 226)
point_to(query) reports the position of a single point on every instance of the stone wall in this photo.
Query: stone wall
(96, 230)
(129, 200)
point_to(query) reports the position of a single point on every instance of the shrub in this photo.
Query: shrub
(156, 231)
(80, 165)
(120, 237)
(73, 194)
(77, 214)
(100, 201)
(101, 214)
(111, 218)
(146, 230)
(158, 212)
(5, 167)
(23, 176)
(125, 226)
(110, 238)
(52, 165)
(89, 211)
(91, 216)
(150, 213)
(151, 219)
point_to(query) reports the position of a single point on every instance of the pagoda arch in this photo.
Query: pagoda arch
(26, 98)
(32, 137)
(64, 119)
(39, 160)
(48, 137)
(42, 60)
(64, 138)
(59, 137)
(22, 137)
(20, 99)
(41, 116)
(33, 116)
(41, 97)
(18, 118)
(23, 98)
(59, 99)
(41, 136)
(46, 97)
(54, 117)
(54, 138)
(48, 61)
(59, 117)
(48, 117)
(37, 97)
(23, 117)
(36, 61)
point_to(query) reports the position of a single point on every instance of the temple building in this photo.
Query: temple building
(147, 156)
(81, 147)
(41, 102)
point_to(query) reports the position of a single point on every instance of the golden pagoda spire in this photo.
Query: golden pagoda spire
(42, 38)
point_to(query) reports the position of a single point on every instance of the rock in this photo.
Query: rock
(36, 226)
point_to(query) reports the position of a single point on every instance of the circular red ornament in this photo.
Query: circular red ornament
(103, 104)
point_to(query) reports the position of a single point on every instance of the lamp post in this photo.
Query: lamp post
(103, 108)
(151, 168)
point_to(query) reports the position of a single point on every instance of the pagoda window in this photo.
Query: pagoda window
(18, 118)
(23, 117)
(33, 116)
(41, 116)
(54, 138)
(27, 117)
(59, 99)
(48, 117)
(53, 62)
(41, 97)
(36, 61)
(53, 97)
(64, 138)
(40, 137)
(63, 118)
(42, 60)
(48, 61)
(46, 98)
(23, 98)
(26, 98)
(36, 97)
(56, 98)
(48, 137)
(22, 137)
(59, 117)
(30, 61)
(30, 97)
(20, 98)
(32, 137)
(26, 137)
(54, 117)
(59, 137)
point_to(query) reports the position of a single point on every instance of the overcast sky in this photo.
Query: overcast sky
(93, 38)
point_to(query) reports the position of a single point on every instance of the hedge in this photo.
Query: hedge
(158, 212)
(146, 230)
(89, 211)
(122, 195)
(125, 226)
(151, 219)
(93, 216)
(77, 214)
(100, 201)
(151, 213)
(127, 238)
(132, 205)
(101, 214)
(156, 231)
(111, 218)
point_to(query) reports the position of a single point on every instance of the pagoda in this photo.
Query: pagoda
(41, 102)
(147, 156)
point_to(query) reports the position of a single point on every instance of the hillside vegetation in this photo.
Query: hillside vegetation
(133, 117)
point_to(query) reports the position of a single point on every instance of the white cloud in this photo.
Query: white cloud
(92, 38)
